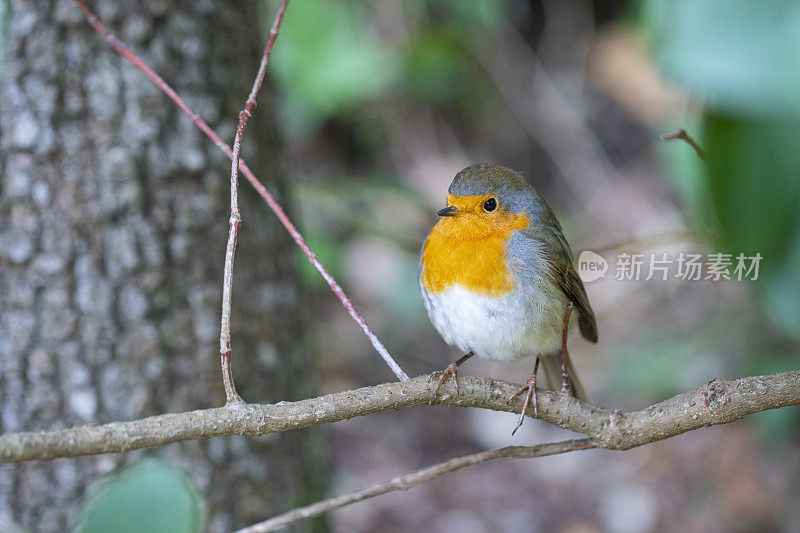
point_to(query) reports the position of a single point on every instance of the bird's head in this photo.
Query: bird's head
(485, 199)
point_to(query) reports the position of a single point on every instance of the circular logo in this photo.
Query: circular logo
(591, 266)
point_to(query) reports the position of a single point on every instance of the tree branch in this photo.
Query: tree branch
(406, 481)
(683, 136)
(714, 392)
(718, 402)
(236, 217)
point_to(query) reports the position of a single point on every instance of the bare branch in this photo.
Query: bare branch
(236, 217)
(683, 136)
(718, 402)
(126, 52)
(413, 479)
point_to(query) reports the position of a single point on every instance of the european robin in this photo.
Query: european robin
(498, 282)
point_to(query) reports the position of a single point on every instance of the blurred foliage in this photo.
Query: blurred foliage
(360, 64)
(434, 67)
(360, 205)
(753, 175)
(754, 178)
(150, 496)
(330, 62)
(331, 66)
(662, 362)
(327, 62)
(740, 59)
(740, 56)
(369, 208)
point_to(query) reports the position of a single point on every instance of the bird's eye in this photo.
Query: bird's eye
(490, 204)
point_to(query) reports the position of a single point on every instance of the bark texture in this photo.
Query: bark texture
(113, 219)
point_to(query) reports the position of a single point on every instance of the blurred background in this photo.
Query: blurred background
(370, 111)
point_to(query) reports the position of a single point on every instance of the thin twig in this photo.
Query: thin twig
(413, 479)
(683, 136)
(236, 218)
(718, 402)
(124, 51)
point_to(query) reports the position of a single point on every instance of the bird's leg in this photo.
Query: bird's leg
(564, 354)
(530, 387)
(452, 369)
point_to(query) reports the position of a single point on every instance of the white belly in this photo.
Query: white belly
(517, 324)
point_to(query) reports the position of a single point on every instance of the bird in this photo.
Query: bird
(497, 279)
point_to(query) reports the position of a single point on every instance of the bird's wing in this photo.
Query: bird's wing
(558, 257)
(571, 285)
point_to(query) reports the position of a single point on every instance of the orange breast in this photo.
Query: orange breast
(469, 250)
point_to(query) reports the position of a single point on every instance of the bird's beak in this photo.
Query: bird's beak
(449, 211)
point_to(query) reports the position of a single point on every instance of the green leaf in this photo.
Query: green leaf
(754, 178)
(150, 496)
(326, 61)
(753, 170)
(435, 66)
(781, 290)
(740, 55)
(754, 183)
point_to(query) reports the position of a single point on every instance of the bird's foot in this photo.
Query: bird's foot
(565, 386)
(530, 397)
(452, 369)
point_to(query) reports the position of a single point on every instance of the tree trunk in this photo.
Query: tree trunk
(113, 221)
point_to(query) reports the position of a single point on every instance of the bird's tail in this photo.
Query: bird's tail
(552, 369)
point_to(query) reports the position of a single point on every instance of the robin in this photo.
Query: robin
(497, 279)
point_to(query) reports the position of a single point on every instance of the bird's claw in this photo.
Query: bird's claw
(530, 394)
(452, 369)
